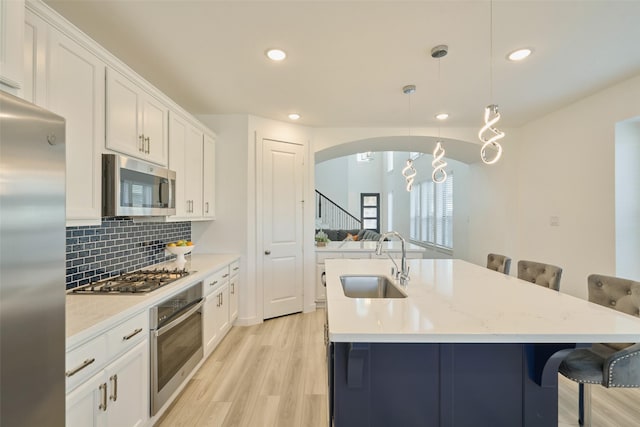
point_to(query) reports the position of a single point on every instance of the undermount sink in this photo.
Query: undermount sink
(369, 286)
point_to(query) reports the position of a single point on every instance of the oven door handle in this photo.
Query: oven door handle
(166, 328)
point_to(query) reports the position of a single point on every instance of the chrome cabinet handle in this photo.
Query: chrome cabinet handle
(132, 334)
(103, 391)
(213, 283)
(79, 368)
(141, 145)
(114, 386)
(148, 141)
(236, 268)
(225, 275)
(267, 252)
(233, 288)
(206, 207)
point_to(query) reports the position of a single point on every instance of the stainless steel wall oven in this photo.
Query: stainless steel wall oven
(176, 342)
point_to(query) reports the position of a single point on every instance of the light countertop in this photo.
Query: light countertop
(368, 246)
(456, 301)
(88, 315)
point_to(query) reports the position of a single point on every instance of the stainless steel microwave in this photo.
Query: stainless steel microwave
(135, 188)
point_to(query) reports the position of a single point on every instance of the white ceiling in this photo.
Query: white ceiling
(348, 61)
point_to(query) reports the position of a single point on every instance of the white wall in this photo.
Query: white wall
(330, 179)
(235, 227)
(566, 168)
(363, 177)
(628, 199)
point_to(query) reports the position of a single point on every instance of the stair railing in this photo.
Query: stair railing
(332, 216)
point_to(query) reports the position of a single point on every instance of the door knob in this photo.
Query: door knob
(267, 252)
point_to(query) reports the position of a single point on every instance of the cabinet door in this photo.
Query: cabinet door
(209, 327)
(76, 92)
(209, 177)
(233, 298)
(154, 130)
(124, 132)
(11, 42)
(128, 388)
(84, 405)
(193, 170)
(177, 146)
(35, 54)
(222, 312)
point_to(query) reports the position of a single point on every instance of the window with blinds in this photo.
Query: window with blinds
(431, 213)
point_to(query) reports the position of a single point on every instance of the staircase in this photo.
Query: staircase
(332, 216)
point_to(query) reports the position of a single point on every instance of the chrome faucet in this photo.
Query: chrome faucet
(401, 273)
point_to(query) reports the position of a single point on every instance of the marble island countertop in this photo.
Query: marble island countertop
(368, 246)
(87, 315)
(456, 301)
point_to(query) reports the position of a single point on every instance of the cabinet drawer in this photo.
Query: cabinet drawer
(235, 268)
(127, 334)
(215, 280)
(85, 360)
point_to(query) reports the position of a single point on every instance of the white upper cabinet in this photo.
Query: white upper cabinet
(177, 143)
(35, 53)
(68, 79)
(136, 121)
(76, 92)
(11, 42)
(192, 157)
(209, 177)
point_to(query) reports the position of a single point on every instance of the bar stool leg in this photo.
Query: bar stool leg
(584, 404)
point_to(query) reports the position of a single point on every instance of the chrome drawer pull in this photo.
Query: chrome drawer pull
(132, 334)
(225, 275)
(213, 283)
(79, 368)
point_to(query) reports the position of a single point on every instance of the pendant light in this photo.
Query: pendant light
(439, 175)
(409, 172)
(489, 134)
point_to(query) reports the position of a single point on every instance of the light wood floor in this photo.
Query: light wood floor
(274, 374)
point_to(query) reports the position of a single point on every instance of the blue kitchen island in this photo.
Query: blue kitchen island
(464, 346)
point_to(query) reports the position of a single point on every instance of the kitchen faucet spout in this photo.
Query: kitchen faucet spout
(403, 272)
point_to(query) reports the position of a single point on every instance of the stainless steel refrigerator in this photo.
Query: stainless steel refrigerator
(32, 265)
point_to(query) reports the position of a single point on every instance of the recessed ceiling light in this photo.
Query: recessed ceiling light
(276, 54)
(442, 116)
(294, 116)
(519, 55)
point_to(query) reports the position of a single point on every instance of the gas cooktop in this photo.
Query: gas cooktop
(135, 282)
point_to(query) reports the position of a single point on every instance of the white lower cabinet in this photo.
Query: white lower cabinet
(216, 317)
(234, 289)
(118, 395)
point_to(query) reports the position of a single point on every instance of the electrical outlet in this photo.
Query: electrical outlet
(554, 221)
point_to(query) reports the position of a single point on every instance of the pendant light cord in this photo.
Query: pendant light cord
(491, 51)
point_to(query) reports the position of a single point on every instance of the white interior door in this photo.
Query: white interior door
(282, 193)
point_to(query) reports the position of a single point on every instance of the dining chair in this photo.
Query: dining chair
(545, 275)
(613, 364)
(499, 263)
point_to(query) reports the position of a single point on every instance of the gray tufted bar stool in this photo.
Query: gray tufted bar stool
(545, 275)
(499, 263)
(610, 365)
